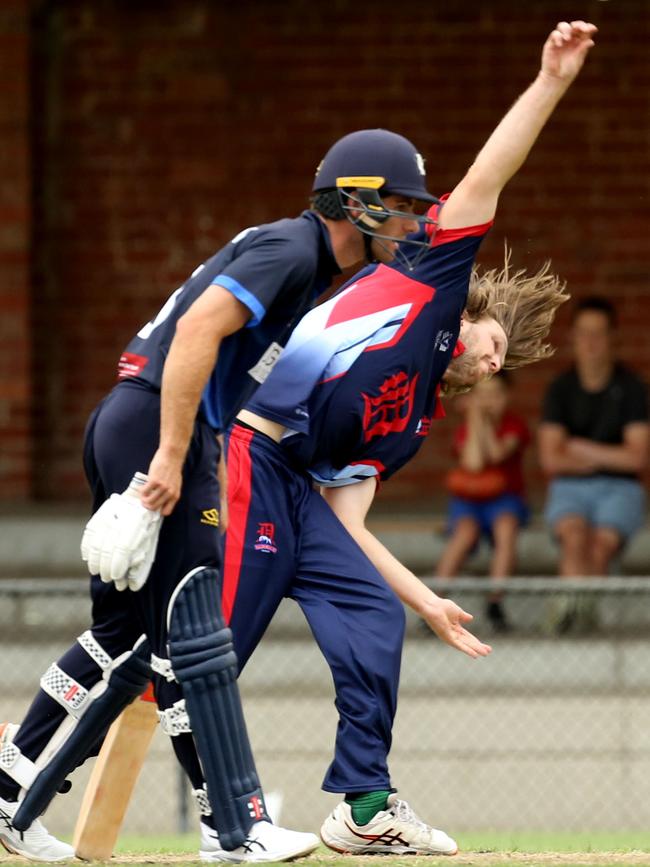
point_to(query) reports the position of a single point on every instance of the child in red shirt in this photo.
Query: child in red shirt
(487, 488)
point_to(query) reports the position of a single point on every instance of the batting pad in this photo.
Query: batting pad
(205, 665)
(126, 681)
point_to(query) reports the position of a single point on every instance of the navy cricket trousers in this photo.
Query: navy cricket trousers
(121, 437)
(284, 540)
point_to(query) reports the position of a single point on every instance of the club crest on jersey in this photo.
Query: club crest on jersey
(391, 409)
(424, 426)
(443, 341)
(266, 538)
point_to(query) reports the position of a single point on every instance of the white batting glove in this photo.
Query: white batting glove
(120, 540)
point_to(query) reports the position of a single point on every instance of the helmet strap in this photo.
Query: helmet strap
(367, 246)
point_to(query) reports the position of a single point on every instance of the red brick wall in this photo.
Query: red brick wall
(162, 129)
(15, 218)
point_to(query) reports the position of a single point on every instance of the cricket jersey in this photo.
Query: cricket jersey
(276, 270)
(357, 385)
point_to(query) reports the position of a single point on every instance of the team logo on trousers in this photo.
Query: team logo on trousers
(390, 410)
(266, 538)
(210, 517)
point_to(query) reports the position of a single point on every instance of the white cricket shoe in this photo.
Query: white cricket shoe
(395, 830)
(265, 842)
(35, 843)
(209, 842)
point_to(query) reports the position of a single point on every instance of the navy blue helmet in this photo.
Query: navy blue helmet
(369, 155)
(362, 167)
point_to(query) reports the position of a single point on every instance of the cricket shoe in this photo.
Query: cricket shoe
(35, 843)
(393, 831)
(265, 842)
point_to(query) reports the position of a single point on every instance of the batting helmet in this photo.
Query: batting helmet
(358, 170)
(369, 156)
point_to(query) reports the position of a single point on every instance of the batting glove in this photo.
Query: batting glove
(120, 540)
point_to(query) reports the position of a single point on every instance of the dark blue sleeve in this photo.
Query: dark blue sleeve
(268, 266)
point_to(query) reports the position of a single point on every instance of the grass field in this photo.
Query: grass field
(491, 849)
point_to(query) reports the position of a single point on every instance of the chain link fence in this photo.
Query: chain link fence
(548, 733)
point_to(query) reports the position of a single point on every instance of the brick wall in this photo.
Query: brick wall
(15, 219)
(159, 130)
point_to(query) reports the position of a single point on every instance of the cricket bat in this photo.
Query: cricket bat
(113, 779)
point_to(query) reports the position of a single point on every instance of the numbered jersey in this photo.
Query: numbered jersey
(277, 271)
(357, 384)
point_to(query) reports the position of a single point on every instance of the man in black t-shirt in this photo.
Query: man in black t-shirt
(593, 442)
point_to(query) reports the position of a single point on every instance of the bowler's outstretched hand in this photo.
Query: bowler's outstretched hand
(565, 49)
(447, 619)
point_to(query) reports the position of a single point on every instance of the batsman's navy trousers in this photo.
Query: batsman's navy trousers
(121, 438)
(284, 540)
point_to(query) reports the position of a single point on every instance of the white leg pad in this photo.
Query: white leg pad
(94, 650)
(70, 694)
(17, 766)
(175, 721)
(163, 667)
(201, 798)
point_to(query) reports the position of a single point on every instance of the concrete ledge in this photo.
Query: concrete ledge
(47, 543)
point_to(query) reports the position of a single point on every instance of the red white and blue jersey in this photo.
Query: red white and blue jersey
(357, 385)
(277, 271)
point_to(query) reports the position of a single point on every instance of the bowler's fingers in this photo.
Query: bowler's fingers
(565, 32)
(472, 646)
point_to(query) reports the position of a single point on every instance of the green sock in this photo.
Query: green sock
(366, 805)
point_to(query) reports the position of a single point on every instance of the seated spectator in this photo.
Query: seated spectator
(487, 488)
(593, 443)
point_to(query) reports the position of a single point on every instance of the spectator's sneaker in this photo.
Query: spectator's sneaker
(35, 843)
(561, 614)
(586, 618)
(495, 613)
(265, 842)
(393, 831)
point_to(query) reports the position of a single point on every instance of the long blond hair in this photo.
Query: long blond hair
(523, 305)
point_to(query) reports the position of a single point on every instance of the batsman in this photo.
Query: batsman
(153, 546)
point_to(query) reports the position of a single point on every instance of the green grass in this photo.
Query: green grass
(470, 841)
(540, 841)
(490, 848)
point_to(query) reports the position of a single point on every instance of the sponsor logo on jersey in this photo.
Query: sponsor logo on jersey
(390, 410)
(266, 363)
(266, 538)
(210, 517)
(131, 364)
(443, 341)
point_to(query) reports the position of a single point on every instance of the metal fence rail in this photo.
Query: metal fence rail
(550, 732)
